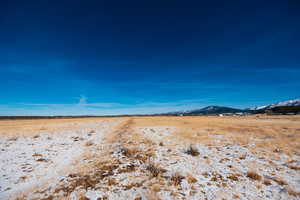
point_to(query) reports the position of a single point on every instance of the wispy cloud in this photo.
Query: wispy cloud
(82, 100)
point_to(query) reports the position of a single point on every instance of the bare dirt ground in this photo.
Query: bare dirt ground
(252, 157)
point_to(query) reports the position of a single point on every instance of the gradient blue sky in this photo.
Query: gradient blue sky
(125, 57)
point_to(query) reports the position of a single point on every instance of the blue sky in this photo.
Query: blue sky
(93, 57)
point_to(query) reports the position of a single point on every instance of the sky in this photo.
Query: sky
(137, 57)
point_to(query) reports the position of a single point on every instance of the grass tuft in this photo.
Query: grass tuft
(176, 179)
(253, 175)
(192, 151)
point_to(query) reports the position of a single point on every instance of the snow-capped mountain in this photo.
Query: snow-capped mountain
(294, 102)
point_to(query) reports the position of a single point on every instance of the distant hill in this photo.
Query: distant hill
(209, 110)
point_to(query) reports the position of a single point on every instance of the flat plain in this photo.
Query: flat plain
(158, 157)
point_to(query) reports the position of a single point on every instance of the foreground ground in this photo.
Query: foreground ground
(253, 157)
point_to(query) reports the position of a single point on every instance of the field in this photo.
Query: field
(201, 157)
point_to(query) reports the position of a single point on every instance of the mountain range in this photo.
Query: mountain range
(291, 106)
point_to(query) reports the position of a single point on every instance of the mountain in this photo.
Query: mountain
(209, 110)
(290, 103)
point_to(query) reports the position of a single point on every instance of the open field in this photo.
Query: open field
(205, 157)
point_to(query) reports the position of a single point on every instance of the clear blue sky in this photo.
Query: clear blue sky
(125, 57)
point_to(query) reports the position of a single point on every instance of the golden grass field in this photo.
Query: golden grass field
(155, 157)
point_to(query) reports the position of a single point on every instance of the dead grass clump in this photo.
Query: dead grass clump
(292, 192)
(112, 181)
(13, 139)
(138, 198)
(279, 181)
(154, 170)
(83, 197)
(129, 152)
(142, 157)
(234, 177)
(42, 160)
(267, 182)
(127, 169)
(277, 150)
(294, 167)
(36, 155)
(176, 179)
(216, 177)
(161, 144)
(205, 174)
(191, 179)
(132, 185)
(109, 167)
(89, 143)
(77, 180)
(253, 175)
(192, 151)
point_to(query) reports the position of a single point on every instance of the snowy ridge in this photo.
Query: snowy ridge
(294, 102)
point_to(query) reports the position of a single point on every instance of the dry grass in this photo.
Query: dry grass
(267, 181)
(176, 179)
(89, 143)
(279, 181)
(36, 136)
(129, 152)
(234, 177)
(191, 179)
(268, 130)
(253, 175)
(294, 167)
(10, 128)
(193, 151)
(36, 155)
(13, 139)
(154, 170)
(292, 192)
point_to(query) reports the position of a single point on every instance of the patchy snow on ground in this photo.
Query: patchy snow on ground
(26, 162)
(144, 163)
